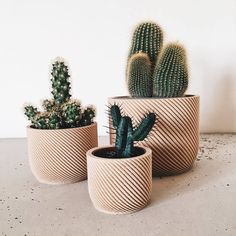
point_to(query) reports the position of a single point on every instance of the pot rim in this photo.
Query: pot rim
(28, 127)
(90, 154)
(187, 96)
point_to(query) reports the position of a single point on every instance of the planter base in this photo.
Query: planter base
(121, 213)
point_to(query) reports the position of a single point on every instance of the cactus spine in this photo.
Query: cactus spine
(126, 134)
(153, 71)
(61, 111)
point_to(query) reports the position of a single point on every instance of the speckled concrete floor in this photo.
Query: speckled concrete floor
(201, 202)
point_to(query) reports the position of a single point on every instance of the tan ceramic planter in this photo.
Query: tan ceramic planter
(59, 156)
(119, 186)
(175, 139)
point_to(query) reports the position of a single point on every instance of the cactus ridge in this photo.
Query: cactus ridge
(153, 71)
(125, 132)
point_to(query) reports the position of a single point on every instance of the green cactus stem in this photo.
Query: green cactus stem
(141, 132)
(71, 113)
(147, 38)
(30, 112)
(87, 116)
(139, 75)
(170, 77)
(60, 82)
(124, 140)
(146, 45)
(55, 120)
(41, 121)
(126, 134)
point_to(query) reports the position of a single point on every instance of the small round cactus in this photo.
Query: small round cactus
(61, 111)
(31, 112)
(71, 111)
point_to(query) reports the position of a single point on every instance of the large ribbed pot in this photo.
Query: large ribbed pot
(119, 185)
(58, 156)
(175, 139)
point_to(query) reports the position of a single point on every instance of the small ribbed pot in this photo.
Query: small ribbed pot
(175, 139)
(59, 156)
(119, 185)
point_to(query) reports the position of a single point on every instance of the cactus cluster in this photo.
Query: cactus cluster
(126, 134)
(61, 111)
(154, 70)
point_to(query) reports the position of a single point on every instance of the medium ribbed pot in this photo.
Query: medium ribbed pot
(175, 139)
(119, 185)
(59, 156)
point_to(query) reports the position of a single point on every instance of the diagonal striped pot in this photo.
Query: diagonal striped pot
(59, 156)
(119, 186)
(175, 138)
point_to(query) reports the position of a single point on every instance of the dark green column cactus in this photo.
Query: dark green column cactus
(126, 134)
(153, 71)
(147, 38)
(139, 75)
(60, 82)
(146, 45)
(170, 77)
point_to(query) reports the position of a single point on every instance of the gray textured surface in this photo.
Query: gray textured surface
(200, 202)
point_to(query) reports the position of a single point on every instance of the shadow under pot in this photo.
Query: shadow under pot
(175, 139)
(119, 185)
(59, 156)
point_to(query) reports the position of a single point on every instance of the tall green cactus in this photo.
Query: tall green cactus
(126, 134)
(147, 38)
(140, 75)
(153, 71)
(60, 82)
(61, 111)
(170, 77)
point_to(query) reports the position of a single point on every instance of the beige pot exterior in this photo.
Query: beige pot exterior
(120, 186)
(175, 139)
(59, 156)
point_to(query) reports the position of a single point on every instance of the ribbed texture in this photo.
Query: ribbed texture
(175, 139)
(120, 186)
(59, 156)
(147, 38)
(170, 77)
(139, 77)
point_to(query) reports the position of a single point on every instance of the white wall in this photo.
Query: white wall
(94, 37)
